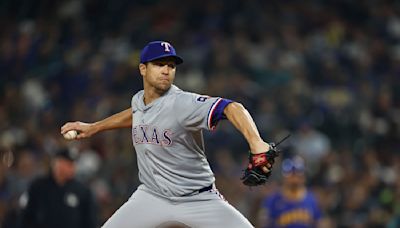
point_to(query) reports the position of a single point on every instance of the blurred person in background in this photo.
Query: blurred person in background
(293, 205)
(311, 144)
(58, 199)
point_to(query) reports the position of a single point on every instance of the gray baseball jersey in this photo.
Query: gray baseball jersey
(167, 136)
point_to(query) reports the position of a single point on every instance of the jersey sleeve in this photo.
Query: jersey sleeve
(269, 215)
(135, 100)
(317, 214)
(29, 206)
(195, 112)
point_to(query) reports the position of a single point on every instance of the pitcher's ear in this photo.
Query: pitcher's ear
(142, 68)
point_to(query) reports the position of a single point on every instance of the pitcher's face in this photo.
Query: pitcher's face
(159, 74)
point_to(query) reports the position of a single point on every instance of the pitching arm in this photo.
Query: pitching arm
(120, 120)
(242, 120)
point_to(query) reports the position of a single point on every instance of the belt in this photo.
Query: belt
(205, 188)
(199, 191)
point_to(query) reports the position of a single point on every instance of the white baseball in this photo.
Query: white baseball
(69, 135)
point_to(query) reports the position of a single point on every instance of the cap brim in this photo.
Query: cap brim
(65, 157)
(66, 154)
(178, 60)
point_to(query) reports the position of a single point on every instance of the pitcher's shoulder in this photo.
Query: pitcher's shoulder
(138, 94)
(135, 99)
(184, 95)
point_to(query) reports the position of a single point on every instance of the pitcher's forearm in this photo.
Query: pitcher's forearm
(242, 120)
(120, 120)
(85, 130)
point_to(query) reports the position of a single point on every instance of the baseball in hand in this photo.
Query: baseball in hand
(70, 135)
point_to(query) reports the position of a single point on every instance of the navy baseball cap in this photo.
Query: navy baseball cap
(157, 50)
(293, 165)
(66, 153)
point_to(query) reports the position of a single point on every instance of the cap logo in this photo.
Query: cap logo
(166, 46)
(157, 50)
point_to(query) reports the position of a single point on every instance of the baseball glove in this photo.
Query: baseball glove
(254, 175)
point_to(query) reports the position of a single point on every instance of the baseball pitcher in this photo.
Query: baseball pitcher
(167, 124)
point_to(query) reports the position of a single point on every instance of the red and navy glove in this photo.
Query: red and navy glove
(254, 175)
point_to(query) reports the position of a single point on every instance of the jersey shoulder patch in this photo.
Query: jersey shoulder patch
(202, 98)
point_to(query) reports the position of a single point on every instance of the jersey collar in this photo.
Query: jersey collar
(144, 107)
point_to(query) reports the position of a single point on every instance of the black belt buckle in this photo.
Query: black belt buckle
(206, 188)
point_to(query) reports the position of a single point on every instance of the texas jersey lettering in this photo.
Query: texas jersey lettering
(151, 135)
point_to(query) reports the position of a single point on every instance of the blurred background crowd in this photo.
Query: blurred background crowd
(326, 71)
